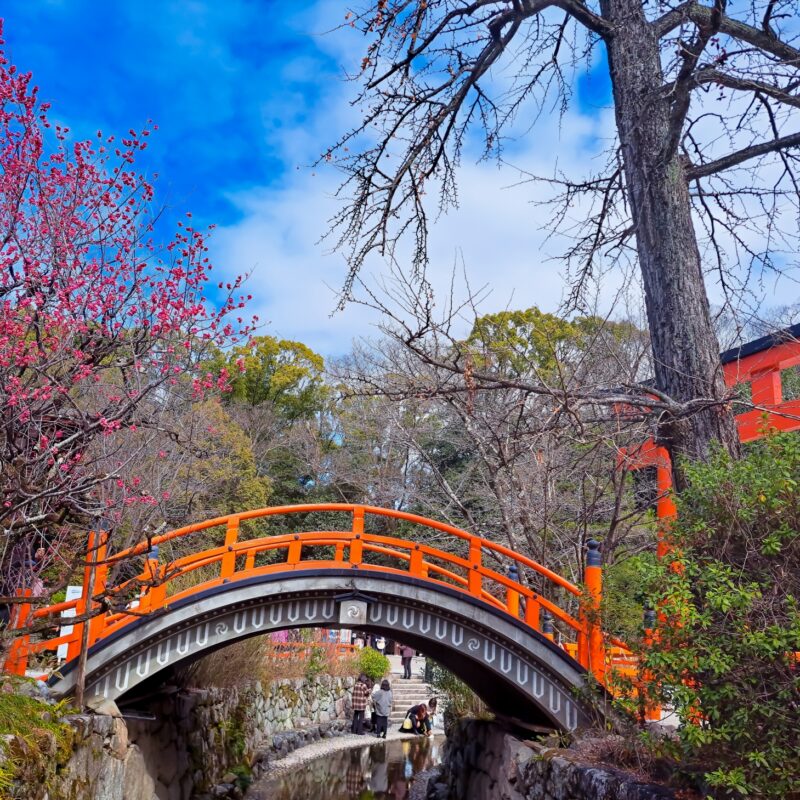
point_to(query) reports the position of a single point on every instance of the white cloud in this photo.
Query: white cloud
(497, 233)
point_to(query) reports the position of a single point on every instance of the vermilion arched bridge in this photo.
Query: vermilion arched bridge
(455, 602)
(459, 602)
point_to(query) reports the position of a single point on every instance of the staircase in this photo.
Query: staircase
(407, 693)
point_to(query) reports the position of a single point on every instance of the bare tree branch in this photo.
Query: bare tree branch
(741, 156)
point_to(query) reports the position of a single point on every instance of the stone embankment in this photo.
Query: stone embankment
(200, 738)
(199, 743)
(484, 762)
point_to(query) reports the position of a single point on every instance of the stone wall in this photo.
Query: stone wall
(211, 741)
(201, 742)
(483, 762)
(100, 763)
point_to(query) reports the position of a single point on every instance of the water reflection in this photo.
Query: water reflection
(381, 772)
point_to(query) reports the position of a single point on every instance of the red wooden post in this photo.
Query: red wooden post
(84, 602)
(533, 612)
(665, 508)
(158, 592)
(150, 574)
(97, 623)
(17, 660)
(96, 541)
(415, 562)
(356, 545)
(228, 565)
(295, 551)
(766, 388)
(594, 648)
(474, 582)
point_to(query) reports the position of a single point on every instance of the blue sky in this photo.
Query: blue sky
(246, 93)
(217, 78)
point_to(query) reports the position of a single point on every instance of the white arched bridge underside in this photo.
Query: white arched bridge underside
(516, 670)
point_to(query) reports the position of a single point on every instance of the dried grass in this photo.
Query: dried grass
(261, 659)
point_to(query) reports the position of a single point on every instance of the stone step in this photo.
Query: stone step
(420, 687)
(421, 697)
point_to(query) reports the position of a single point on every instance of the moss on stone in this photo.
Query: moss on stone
(34, 739)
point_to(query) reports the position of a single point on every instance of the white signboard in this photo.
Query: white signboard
(73, 593)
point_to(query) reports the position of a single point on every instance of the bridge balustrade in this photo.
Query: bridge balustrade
(487, 571)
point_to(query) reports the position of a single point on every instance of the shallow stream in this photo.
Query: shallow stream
(382, 771)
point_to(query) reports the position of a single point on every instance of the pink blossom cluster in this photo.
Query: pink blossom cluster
(98, 321)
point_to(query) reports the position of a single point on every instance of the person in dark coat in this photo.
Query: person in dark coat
(417, 716)
(406, 654)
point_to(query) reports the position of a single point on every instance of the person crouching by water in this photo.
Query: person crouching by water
(382, 703)
(414, 721)
(432, 705)
(360, 695)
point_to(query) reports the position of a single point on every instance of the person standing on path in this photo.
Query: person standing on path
(360, 696)
(406, 654)
(382, 703)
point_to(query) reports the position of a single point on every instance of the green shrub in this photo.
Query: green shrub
(624, 595)
(317, 663)
(728, 599)
(373, 664)
(461, 700)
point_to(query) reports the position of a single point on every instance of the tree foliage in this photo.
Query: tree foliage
(285, 374)
(729, 639)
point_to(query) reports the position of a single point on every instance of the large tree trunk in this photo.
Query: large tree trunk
(685, 347)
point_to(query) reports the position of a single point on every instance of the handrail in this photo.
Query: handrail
(308, 508)
(235, 559)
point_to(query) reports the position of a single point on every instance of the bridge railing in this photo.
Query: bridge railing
(486, 570)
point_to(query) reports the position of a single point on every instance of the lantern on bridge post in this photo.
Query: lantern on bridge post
(548, 631)
(512, 595)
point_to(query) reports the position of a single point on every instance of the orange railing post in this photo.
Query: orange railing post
(356, 545)
(593, 656)
(228, 563)
(97, 623)
(415, 562)
(84, 601)
(533, 612)
(17, 661)
(294, 552)
(158, 592)
(474, 582)
(149, 596)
